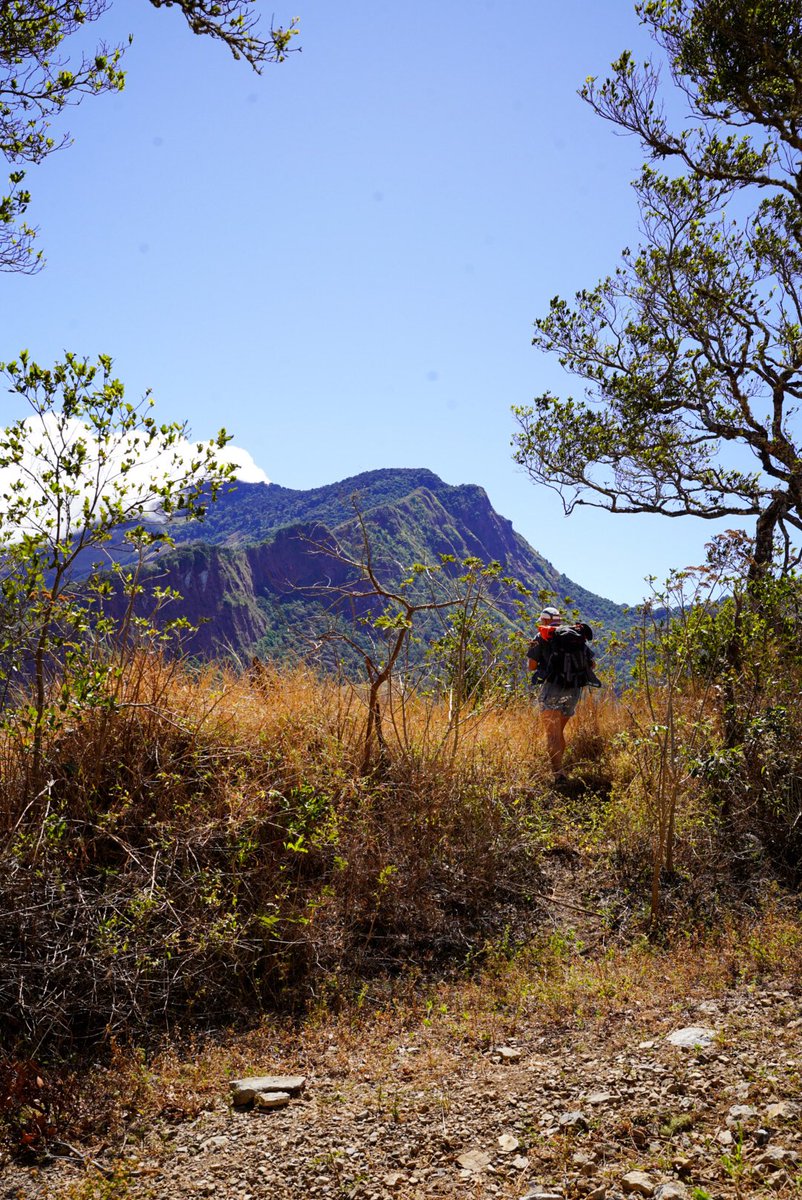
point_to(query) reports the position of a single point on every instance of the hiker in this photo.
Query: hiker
(562, 663)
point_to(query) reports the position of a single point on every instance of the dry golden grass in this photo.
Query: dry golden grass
(218, 846)
(211, 848)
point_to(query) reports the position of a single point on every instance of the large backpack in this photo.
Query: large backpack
(568, 661)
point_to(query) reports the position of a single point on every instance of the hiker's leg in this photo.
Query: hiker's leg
(563, 722)
(557, 706)
(555, 722)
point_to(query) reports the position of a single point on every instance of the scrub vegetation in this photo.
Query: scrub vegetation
(206, 846)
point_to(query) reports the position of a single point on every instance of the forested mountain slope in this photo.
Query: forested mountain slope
(250, 575)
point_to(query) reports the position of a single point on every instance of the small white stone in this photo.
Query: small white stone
(507, 1143)
(638, 1183)
(673, 1190)
(508, 1053)
(692, 1036)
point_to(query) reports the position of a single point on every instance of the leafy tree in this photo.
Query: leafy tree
(38, 80)
(79, 475)
(477, 657)
(392, 608)
(388, 609)
(691, 350)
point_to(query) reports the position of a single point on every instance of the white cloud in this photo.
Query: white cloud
(247, 469)
(47, 440)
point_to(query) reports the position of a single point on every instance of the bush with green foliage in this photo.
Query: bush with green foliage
(85, 473)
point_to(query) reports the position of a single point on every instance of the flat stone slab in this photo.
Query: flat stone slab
(573, 1120)
(692, 1035)
(783, 1110)
(265, 1101)
(245, 1091)
(474, 1161)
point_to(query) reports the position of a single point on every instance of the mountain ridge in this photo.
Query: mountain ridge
(248, 573)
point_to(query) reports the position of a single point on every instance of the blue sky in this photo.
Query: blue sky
(340, 260)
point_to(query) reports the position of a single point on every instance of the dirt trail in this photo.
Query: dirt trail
(515, 1103)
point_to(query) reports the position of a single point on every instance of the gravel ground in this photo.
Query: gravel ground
(605, 1111)
(478, 1092)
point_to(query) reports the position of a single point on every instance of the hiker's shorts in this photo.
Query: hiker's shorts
(555, 697)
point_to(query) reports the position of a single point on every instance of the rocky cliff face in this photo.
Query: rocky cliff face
(253, 576)
(230, 593)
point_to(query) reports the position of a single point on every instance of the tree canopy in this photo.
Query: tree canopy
(85, 477)
(691, 350)
(39, 78)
